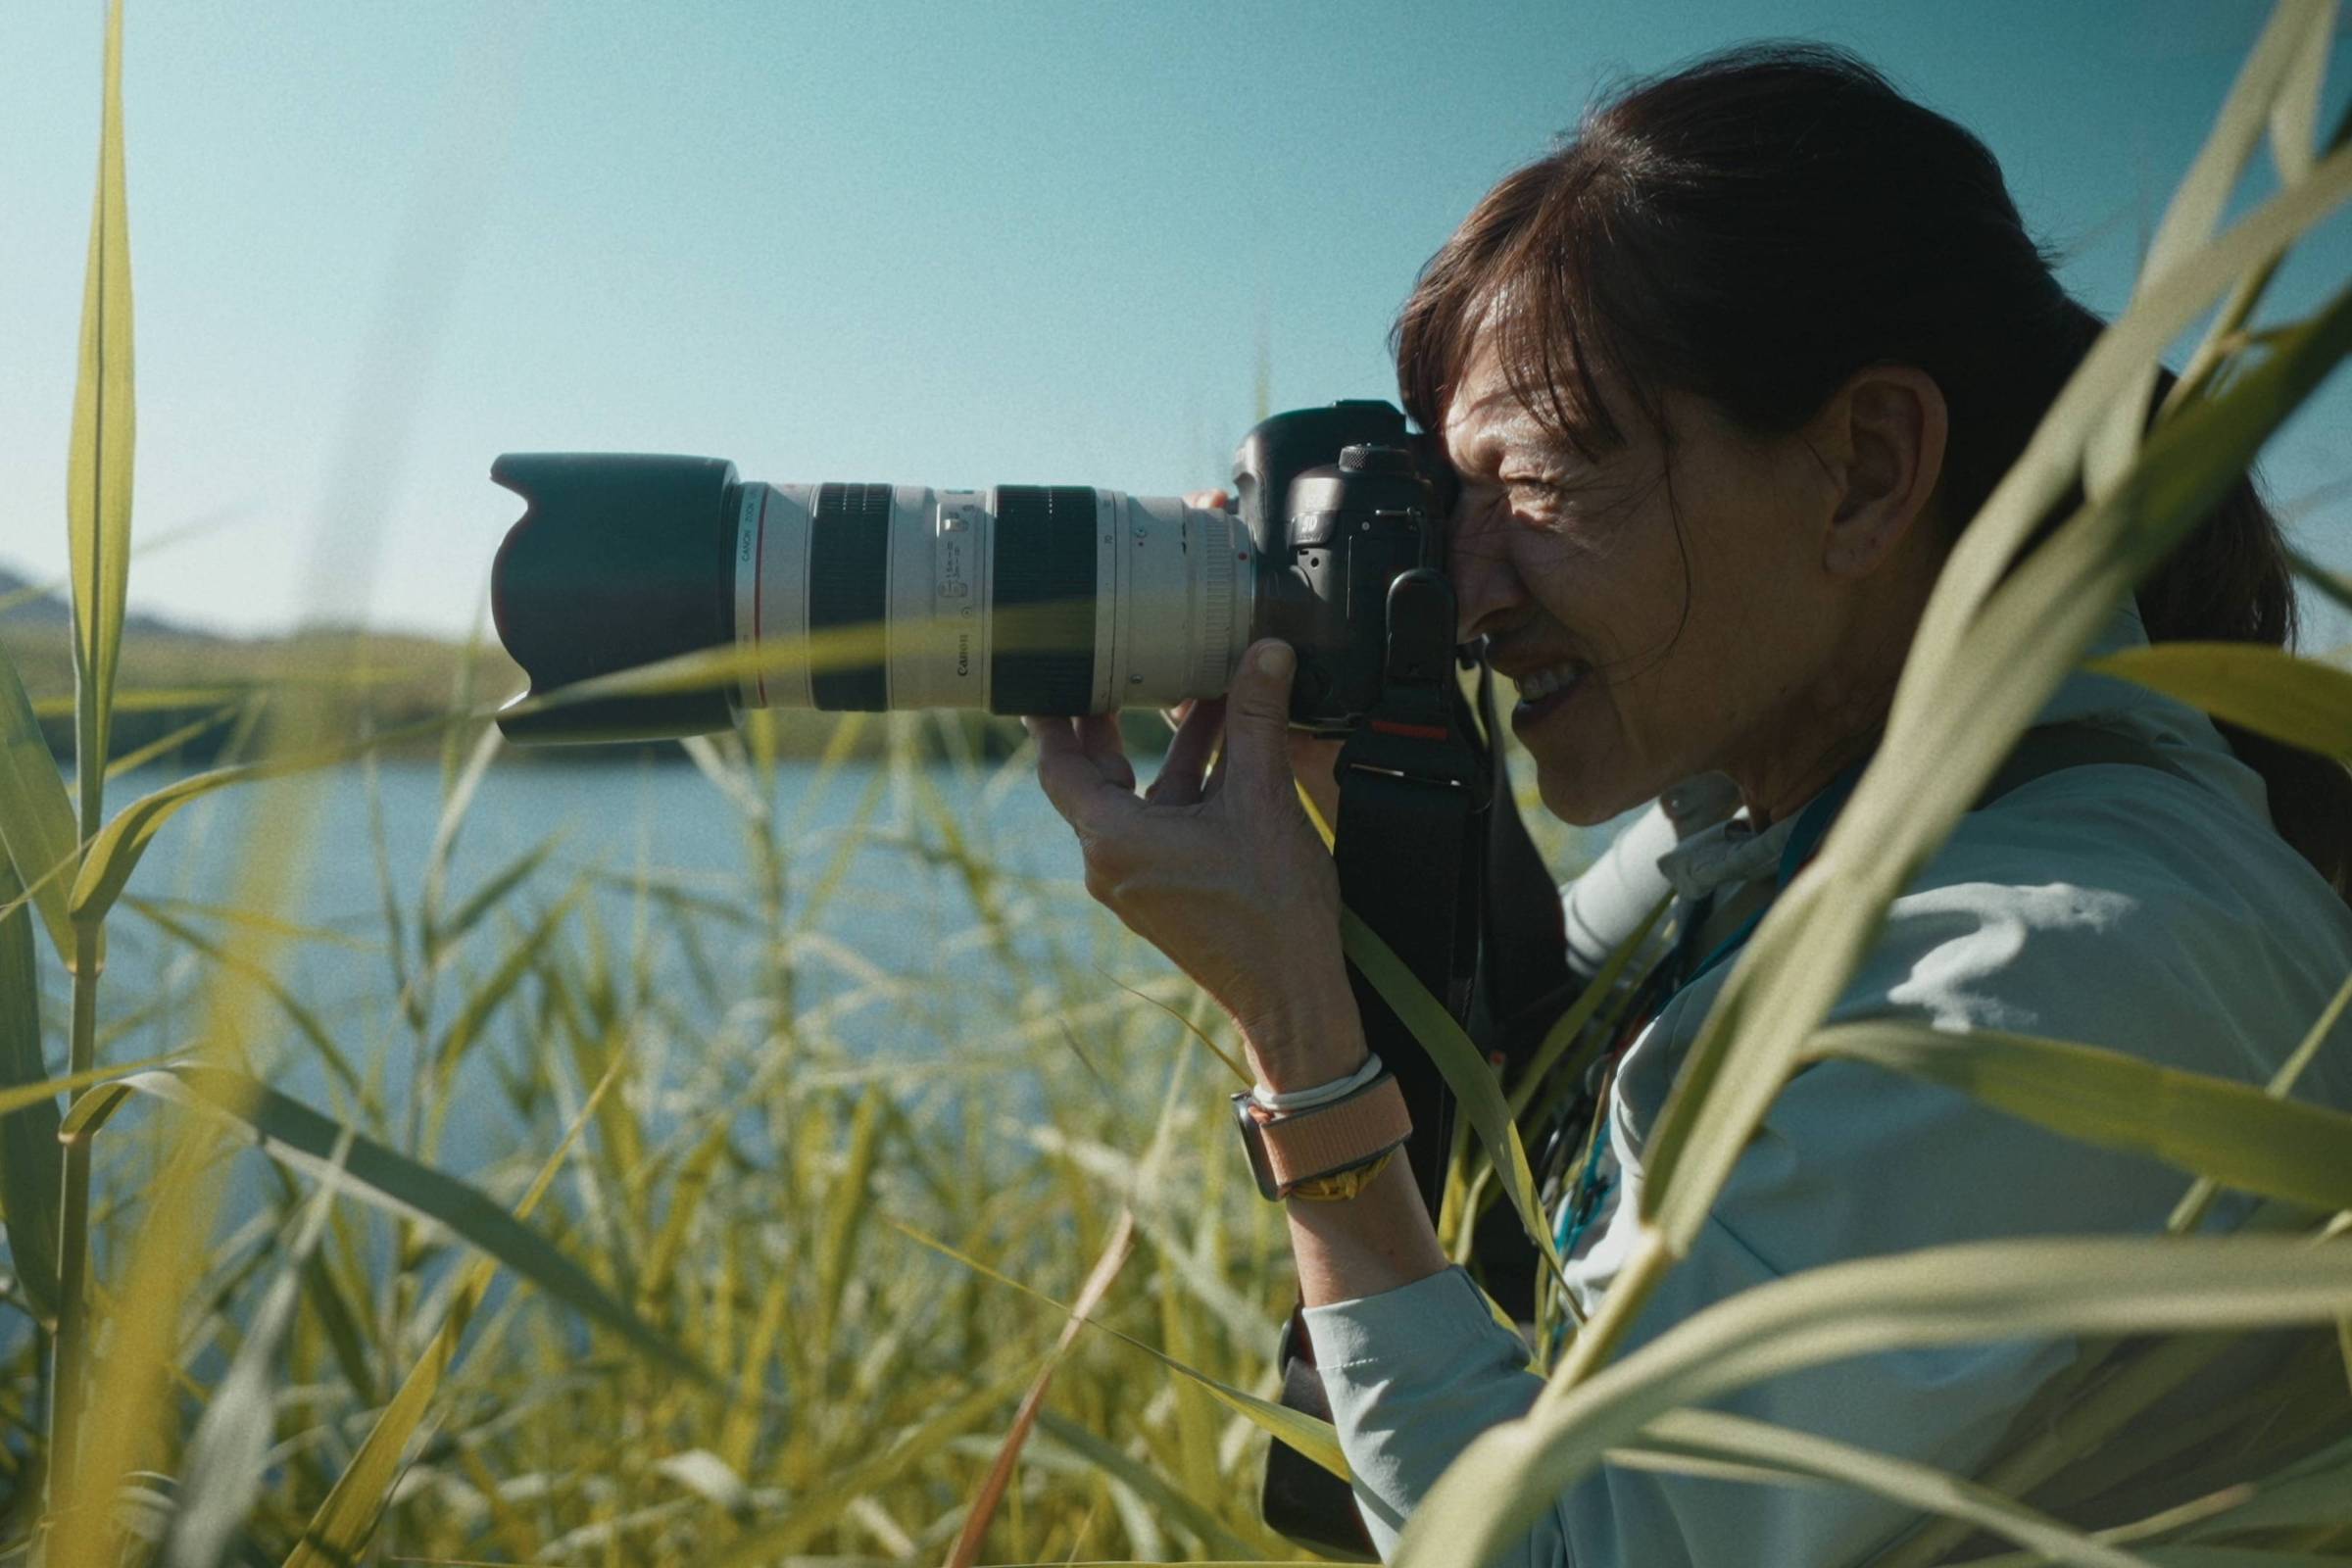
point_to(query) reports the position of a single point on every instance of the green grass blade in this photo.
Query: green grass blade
(1565, 1030)
(337, 1319)
(151, 698)
(982, 1511)
(98, 456)
(115, 848)
(2294, 118)
(297, 1014)
(686, 1195)
(2267, 690)
(2186, 1556)
(1943, 1296)
(457, 800)
(1465, 1070)
(813, 1514)
(295, 1134)
(36, 815)
(488, 997)
(1186, 1513)
(15, 1096)
(847, 1204)
(171, 741)
(739, 1430)
(1921, 1487)
(31, 1174)
(2320, 1494)
(442, 935)
(2233, 1132)
(2190, 1211)
(257, 921)
(2197, 205)
(227, 1456)
(348, 1515)
(1313, 1438)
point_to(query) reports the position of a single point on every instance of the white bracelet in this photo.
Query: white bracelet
(1320, 1094)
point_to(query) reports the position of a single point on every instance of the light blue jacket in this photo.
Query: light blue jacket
(2120, 905)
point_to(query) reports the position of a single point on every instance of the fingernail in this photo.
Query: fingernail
(1275, 659)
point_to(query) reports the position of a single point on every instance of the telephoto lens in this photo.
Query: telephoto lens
(1016, 598)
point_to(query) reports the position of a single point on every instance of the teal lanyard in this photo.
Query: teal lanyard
(1805, 841)
(1585, 1199)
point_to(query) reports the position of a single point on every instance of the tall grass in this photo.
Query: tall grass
(758, 1284)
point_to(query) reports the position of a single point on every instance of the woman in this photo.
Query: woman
(1722, 377)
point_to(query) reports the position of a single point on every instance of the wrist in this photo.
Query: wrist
(1307, 1047)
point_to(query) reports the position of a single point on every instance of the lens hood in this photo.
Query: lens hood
(618, 559)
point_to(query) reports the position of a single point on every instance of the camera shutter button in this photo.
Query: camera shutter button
(1375, 460)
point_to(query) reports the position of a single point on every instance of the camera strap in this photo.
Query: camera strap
(1425, 809)
(1409, 843)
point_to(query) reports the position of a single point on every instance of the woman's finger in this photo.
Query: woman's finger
(1073, 781)
(1258, 718)
(1181, 771)
(1099, 736)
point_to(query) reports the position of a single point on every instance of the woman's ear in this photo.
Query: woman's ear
(1884, 434)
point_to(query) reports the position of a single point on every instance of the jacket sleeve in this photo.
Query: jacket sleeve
(1414, 1374)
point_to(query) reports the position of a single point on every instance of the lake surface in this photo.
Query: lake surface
(899, 906)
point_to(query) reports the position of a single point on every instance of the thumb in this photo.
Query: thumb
(1258, 718)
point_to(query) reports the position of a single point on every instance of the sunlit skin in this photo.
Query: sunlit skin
(1746, 604)
(1743, 603)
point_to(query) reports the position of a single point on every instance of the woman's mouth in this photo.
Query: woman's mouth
(1545, 691)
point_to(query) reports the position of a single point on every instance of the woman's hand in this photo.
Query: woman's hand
(1220, 867)
(1314, 760)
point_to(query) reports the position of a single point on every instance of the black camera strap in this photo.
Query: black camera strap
(1409, 843)
(1425, 809)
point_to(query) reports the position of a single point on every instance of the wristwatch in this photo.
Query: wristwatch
(1310, 1153)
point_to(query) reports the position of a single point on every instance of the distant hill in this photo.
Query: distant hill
(175, 677)
(26, 604)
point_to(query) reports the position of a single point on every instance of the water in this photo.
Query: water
(901, 912)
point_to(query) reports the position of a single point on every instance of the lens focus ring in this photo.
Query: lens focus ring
(1044, 568)
(848, 586)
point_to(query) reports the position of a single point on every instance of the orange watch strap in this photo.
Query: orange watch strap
(1312, 1142)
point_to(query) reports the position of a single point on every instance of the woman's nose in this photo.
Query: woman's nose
(1486, 591)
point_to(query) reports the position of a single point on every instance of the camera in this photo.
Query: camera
(1016, 598)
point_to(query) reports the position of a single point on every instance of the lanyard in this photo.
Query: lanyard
(1677, 974)
(1805, 841)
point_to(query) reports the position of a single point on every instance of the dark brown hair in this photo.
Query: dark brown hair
(1756, 227)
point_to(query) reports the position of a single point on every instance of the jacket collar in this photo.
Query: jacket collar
(1732, 852)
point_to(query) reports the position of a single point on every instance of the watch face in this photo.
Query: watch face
(1253, 1143)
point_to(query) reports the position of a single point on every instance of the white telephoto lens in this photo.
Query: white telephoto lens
(1018, 598)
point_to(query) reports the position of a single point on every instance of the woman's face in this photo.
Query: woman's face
(1665, 611)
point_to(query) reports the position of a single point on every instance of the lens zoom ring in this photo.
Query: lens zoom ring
(848, 586)
(1212, 667)
(1044, 620)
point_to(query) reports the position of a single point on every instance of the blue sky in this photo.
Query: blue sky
(377, 243)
